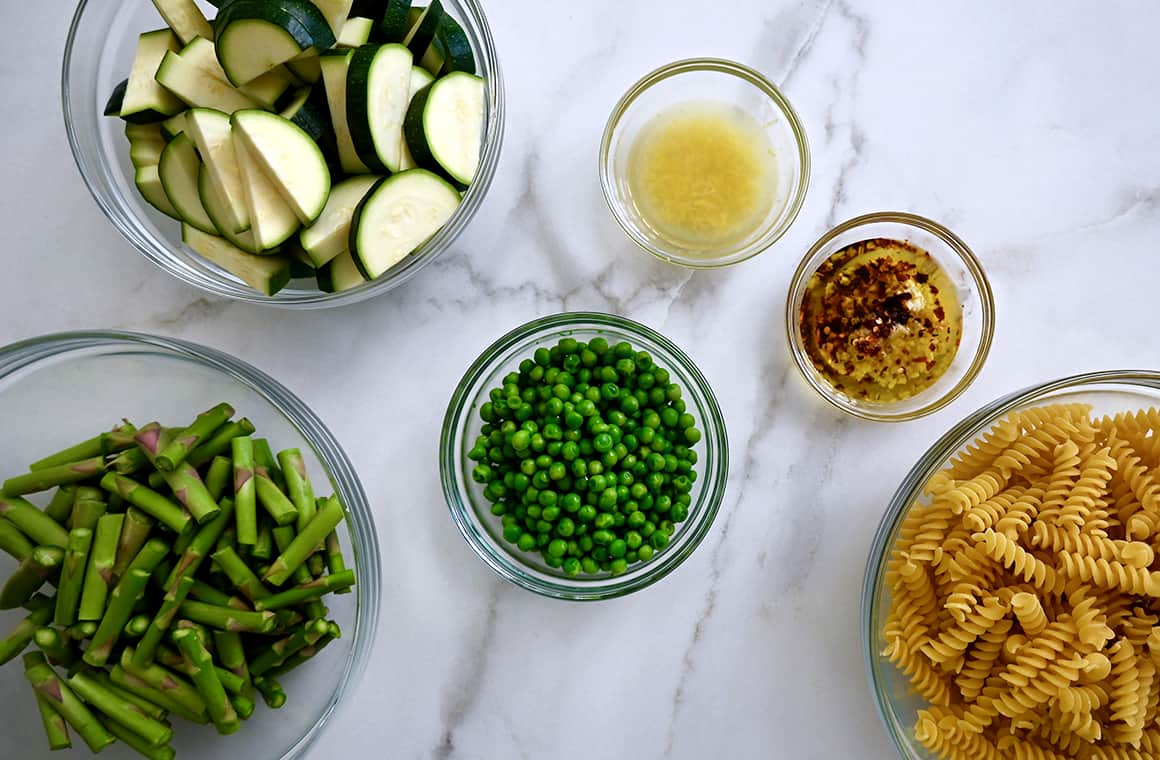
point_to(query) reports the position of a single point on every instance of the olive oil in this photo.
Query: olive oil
(702, 175)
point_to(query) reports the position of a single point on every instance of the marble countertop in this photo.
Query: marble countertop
(1031, 129)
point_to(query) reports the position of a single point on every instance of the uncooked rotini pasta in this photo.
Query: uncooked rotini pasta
(1025, 591)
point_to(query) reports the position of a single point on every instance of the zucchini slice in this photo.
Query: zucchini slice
(289, 157)
(198, 87)
(444, 126)
(339, 274)
(335, 12)
(330, 233)
(213, 136)
(148, 182)
(377, 85)
(213, 199)
(145, 144)
(305, 66)
(456, 50)
(334, 72)
(254, 36)
(356, 31)
(397, 216)
(269, 88)
(395, 21)
(185, 19)
(116, 99)
(265, 274)
(144, 99)
(272, 221)
(422, 32)
(178, 170)
(420, 78)
(174, 125)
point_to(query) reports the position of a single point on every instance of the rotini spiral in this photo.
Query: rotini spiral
(1065, 470)
(1082, 698)
(1013, 556)
(1015, 748)
(1084, 497)
(973, 492)
(1110, 575)
(1029, 612)
(952, 642)
(981, 660)
(1124, 681)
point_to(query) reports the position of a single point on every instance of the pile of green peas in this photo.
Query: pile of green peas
(587, 455)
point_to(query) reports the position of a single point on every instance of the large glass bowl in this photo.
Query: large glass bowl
(97, 56)
(59, 389)
(1107, 392)
(470, 509)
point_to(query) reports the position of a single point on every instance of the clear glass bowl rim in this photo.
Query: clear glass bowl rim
(887, 412)
(720, 66)
(26, 353)
(458, 415)
(953, 440)
(159, 251)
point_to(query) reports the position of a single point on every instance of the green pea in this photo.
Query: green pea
(586, 513)
(557, 471)
(607, 498)
(557, 548)
(626, 367)
(481, 473)
(589, 566)
(609, 391)
(602, 442)
(618, 566)
(679, 512)
(512, 533)
(645, 553)
(571, 566)
(618, 548)
(659, 540)
(570, 502)
(565, 527)
(692, 435)
(526, 542)
(633, 540)
(603, 538)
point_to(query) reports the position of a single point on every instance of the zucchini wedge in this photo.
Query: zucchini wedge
(144, 99)
(213, 199)
(145, 144)
(198, 87)
(178, 169)
(377, 88)
(290, 159)
(422, 32)
(254, 36)
(395, 21)
(265, 274)
(454, 46)
(305, 66)
(444, 126)
(213, 136)
(397, 216)
(334, 72)
(335, 12)
(272, 221)
(185, 19)
(269, 89)
(174, 125)
(148, 182)
(420, 78)
(356, 31)
(330, 233)
(339, 274)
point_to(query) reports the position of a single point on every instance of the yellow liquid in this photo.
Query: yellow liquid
(702, 175)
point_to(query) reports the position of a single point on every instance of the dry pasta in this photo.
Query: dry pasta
(1025, 591)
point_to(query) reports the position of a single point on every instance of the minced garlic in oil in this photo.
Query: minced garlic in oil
(702, 175)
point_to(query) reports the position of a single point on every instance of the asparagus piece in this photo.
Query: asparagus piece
(136, 626)
(140, 688)
(217, 478)
(82, 630)
(39, 613)
(295, 596)
(280, 508)
(129, 461)
(147, 647)
(219, 442)
(135, 532)
(243, 705)
(275, 654)
(61, 505)
(99, 574)
(42, 565)
(147, 500)
(191, 492)
(121, 600)
(228, 538)
(185, 441)
(240, 574)
(264, 457)
(271, 692)
(283, 537)
(49, 477)
(298, 486)
(62, 698)
(227, 618)
(233, 684)
(232, 655)
(55, 727)
(203, 592)
(72, 576)
(209, 685)
(335, 563)
(305, 653)
(139, 745)
(176, 689)
(304, 544)
(118, 710)
(13, 541)
(244, 495)
(202, 543)
(87, 509)
(141, 705)
(41, 529)
(55, 647)
(117, 439)
(264, 548)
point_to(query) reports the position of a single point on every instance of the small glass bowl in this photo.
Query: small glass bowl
(471, 511)
(1107, 392)
(717, 81)
(58, 389)
(98, 54)
(964, 270)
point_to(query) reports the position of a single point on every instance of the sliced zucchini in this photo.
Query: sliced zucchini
(306, 66)
(213, 199)
(422, 32)
(203, 54)
(116, 99)
(377, 86)
(174, 125)
(300, 265)
(148, 182)
(272, 221)
(184, 18)
(335, 12)
(308, 109)
(145, 144)
(198, 87)
(269, 88)
(444, 126)
(395, 21)
(330, 233)
(213, 136)
(420, 78)
(340, 274)
(356, 31)
(397, 216)
(334, 72)
(432, 60)
(145, 100)
(178, 170)
(454, 46)
(289, 157)
(265, 274)
(254, 36)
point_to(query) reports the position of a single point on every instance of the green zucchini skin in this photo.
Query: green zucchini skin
(298, 18)
(420, 37)
(116, 98)
(393, 25)
(456, 48)
(359, 97)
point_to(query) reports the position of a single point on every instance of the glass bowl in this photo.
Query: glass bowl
(963, 269)
(715, 81)
(97, 56)
(58, 389)
(1107, 392)
(471, 511)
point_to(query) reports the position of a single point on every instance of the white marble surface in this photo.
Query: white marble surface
(1033, 131)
